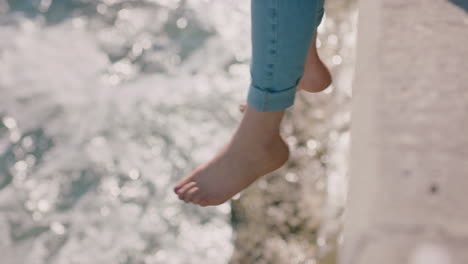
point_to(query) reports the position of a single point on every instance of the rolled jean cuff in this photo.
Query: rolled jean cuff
(268, 100)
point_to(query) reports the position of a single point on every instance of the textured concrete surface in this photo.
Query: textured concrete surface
(409, 160)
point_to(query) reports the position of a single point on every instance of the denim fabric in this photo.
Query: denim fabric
(282, 32)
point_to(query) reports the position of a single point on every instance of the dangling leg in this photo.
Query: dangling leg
(316, 75)
(281, 34)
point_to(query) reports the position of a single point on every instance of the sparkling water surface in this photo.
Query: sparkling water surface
(104, 105)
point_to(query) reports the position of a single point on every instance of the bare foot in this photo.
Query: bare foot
(316, 76)
(255, 150)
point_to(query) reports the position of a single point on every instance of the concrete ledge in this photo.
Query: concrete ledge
(409, 132)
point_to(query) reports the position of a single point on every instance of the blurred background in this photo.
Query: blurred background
(105, 104)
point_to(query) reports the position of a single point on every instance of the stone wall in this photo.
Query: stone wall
(409, 160)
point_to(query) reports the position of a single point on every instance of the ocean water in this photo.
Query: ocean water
(104, 105)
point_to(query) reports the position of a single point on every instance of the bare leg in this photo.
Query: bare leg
(255, 150)
(316, 75)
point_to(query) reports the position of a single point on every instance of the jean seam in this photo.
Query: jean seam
(270, 67)
(272, 49)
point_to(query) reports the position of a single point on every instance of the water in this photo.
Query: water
(105, 104)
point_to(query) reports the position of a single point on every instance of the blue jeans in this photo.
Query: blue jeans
(282, 31)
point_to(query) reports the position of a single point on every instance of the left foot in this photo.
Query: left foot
(255, 150)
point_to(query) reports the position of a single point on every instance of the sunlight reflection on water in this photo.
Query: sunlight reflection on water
(96, 101)
(91, 144)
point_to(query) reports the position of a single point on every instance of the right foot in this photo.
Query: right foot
(316, 77)
(255, 150)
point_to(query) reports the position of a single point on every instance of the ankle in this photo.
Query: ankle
(266, 122)
(274, 152)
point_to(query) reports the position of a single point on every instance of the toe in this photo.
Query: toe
(185, 188)
(180, 184)
(188, 197)
(242, 108)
